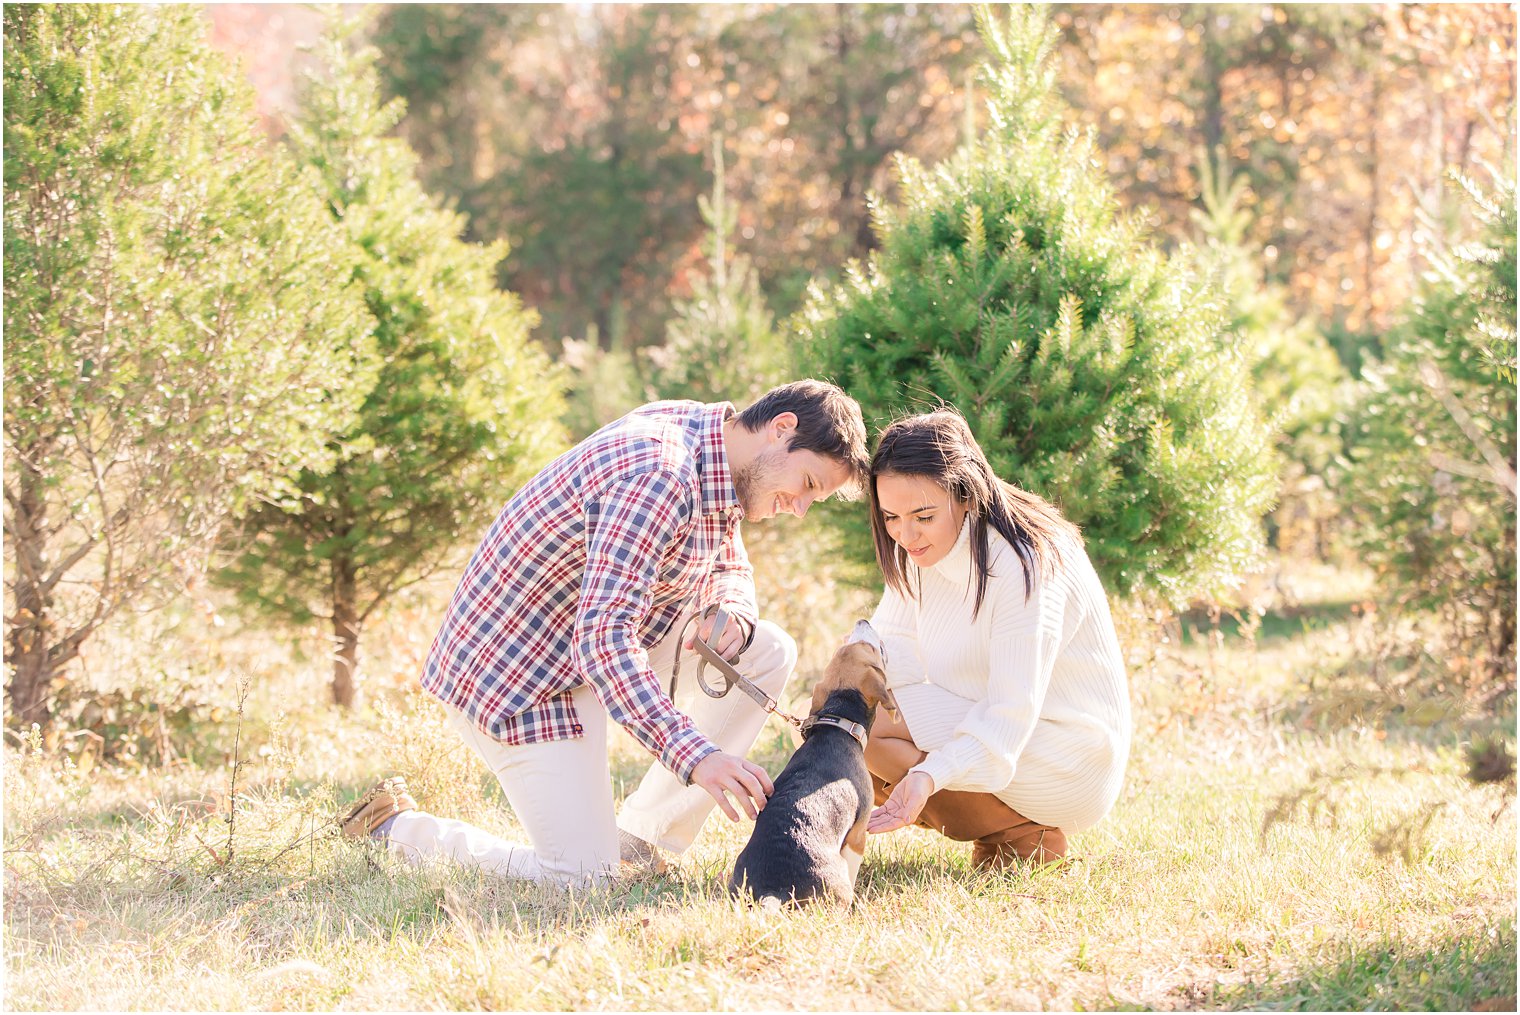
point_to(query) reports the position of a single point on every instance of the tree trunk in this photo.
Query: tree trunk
(1215, 60)
(855, 217)
(1369, 263)
(345, 631)
(32, 677)
(1501, 629)
(27, 649)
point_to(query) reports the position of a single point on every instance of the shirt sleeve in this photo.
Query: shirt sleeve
(1025, 640)
(628, 527)
(731, 583)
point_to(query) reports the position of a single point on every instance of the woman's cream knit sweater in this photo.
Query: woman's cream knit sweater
(1037, 710)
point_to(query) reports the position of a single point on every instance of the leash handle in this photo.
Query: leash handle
(708, 653)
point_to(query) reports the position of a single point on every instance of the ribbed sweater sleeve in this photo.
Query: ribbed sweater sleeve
(1023, 641)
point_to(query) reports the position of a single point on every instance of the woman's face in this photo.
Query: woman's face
(920, 516)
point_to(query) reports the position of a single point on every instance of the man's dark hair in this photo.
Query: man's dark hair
(828, 424)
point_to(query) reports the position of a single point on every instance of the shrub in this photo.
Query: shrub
(1092, 369)
(170, 291)
(721, 344)
(464, 409)
(1432, 461)
(1299, 381)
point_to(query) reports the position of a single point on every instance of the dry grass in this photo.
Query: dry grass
(1295, 833)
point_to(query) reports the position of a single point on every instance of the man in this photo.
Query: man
(570, 612)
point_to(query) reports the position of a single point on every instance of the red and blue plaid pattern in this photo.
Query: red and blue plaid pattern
(584, 570)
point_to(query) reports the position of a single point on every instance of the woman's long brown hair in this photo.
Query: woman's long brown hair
(939, 446)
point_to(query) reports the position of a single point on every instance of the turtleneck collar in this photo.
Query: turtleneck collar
(955, 566)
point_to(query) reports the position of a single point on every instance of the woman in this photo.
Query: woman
(1001, 653)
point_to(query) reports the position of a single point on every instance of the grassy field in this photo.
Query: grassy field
(1297, 832)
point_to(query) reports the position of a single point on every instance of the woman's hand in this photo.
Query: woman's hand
(903, 806)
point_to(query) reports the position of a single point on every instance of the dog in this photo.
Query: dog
(809, 838)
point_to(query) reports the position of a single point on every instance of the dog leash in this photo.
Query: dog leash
(708, 653)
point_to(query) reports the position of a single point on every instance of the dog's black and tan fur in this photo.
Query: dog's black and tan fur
(809, 839)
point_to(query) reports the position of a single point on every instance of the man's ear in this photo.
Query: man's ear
(782, 426)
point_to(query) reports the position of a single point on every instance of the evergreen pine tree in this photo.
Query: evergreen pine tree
(465, 406)
(170, 293)
(604, 383)
(1433, 441)
(721, 343)
(1299, 380)
(1092, 369)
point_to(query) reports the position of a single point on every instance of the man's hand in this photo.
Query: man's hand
(904, 805)
(734, 633)
(720, 774)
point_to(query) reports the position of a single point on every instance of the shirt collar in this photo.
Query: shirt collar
(718, 493)
(955, 566)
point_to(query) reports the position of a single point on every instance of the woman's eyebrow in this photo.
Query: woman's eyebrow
(915, 511)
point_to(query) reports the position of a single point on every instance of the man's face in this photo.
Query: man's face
(779, 481)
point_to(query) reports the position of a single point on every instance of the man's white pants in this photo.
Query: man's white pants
(561, 791)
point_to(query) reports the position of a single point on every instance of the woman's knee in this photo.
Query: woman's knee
(887, 724)
(882, 761)
(890, 757)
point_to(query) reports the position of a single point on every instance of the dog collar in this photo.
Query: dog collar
(851, 727)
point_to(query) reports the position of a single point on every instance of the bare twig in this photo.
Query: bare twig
(1501, 475)
(237, 765)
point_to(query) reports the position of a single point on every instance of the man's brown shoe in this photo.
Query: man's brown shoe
(637, 856)
(386, 799)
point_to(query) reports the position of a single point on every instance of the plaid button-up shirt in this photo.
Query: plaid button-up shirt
(588, 567)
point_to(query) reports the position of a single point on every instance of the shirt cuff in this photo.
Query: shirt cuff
(938, 768)
(749, 628)
(684, 751)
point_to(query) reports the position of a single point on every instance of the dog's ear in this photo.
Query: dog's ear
(876, 688)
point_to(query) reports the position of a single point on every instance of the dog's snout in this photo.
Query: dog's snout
(866, 633)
